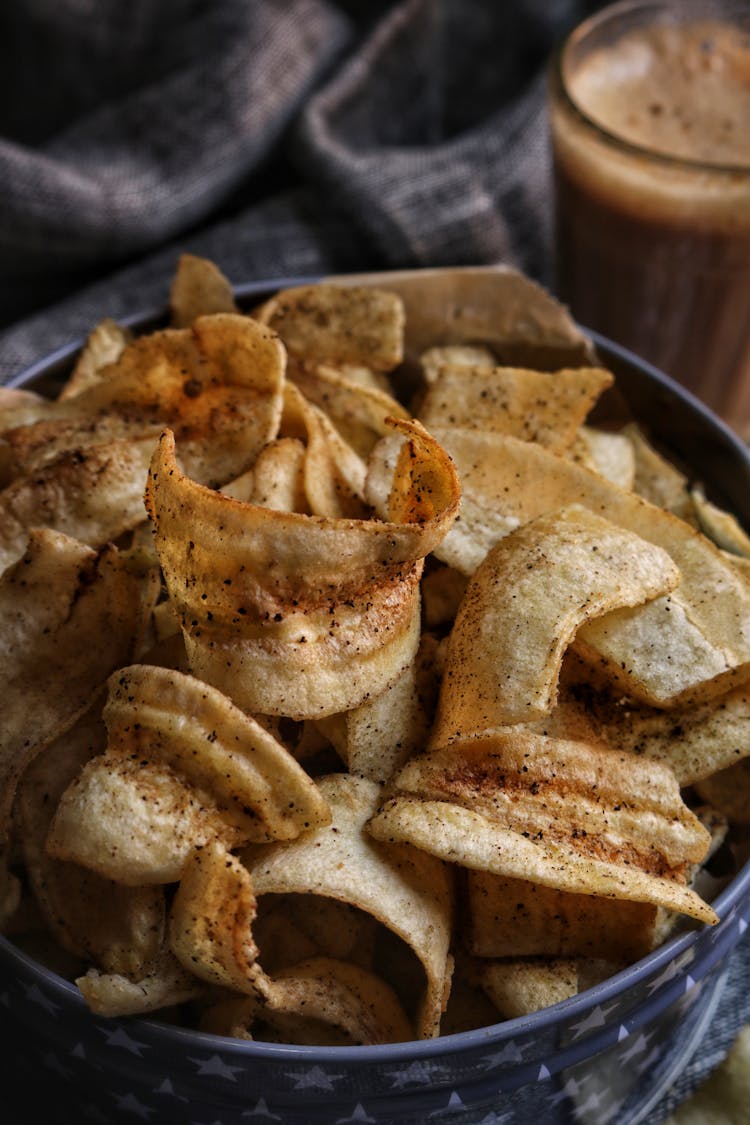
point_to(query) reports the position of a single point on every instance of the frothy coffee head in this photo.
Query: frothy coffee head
(679, 90)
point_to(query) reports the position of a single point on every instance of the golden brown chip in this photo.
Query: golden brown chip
(696, 642)
(516, 918)
(358, 412)
(435, 360)
(491, 306)
(210, 924)
(518, 988)
(276, 480)
(104, 346)
(264, 617)
(721, 527)
(70, 617)
(694, 740)
(165, 785)
(199, 288)
(337, 324)
(93, 495)
(376, 738)
(546, 407)
(119, 929)
(657, 479)
(405, 889)
(729, 791)
(346, 997)
(606, 452)
(333, 474)
(572, 816)
(165, 984)
(523, 606)
(219, 385)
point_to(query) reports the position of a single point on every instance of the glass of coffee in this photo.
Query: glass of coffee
(650, 126)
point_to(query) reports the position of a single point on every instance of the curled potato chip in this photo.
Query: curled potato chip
(219, 385)
(317, 1001)
(516, 918)
(166, 983)
(522, 608)
(276, 480)
(120, 929)
(358, 411)
(352, 1000)
(565, 814)
(336, 324)
(546, 407)
(210, 924)
(199, 288)
(104, 346)
(19, 406)
(694, 643)
(166, 784)
(406, 890)
(333, 474)
(70, 616)
(263, 616)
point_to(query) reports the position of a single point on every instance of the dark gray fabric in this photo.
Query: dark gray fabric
(279, 138)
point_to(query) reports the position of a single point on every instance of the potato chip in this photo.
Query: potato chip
(199, 288)
(405, 889)
(434, 361)
(490, 306)
(442, 591)
(516, 918)
(376, 738)
(336, 324)
(719, 525)
(358, 412)
(120, 929)
(568, 815)
(657, 479)
(210, 924)
(333, 474)
(262, 614)
(546, 407)
(93, 495)
(104, 346)
(276, 480)
(608, 453)
(695, 740)
(19, 406)
(320, 1001)
(70, 617)
(523, 606)
(219, 386)
(165, 984)
(348, 998)
(518, 988)
(165, 785)
(729, 791)
(669, 650)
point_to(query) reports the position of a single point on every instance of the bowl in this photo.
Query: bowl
(605, 1055)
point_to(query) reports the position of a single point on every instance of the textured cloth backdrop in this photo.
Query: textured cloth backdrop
(279, 138)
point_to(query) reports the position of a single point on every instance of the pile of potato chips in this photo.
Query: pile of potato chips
(357, 687)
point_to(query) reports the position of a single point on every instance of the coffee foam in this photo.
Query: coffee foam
(680, 90)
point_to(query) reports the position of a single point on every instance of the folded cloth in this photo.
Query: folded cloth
(280, 138)
(276, 138)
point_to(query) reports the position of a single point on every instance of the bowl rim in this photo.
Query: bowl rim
(493, 1034)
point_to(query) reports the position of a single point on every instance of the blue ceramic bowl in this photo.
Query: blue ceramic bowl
(603, 1056)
